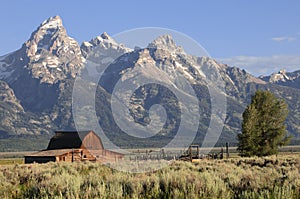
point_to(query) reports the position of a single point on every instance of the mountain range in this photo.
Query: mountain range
(36, 84)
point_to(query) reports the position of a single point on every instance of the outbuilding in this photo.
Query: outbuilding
(74, 146)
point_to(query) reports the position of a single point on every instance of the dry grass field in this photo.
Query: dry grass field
(268, 177)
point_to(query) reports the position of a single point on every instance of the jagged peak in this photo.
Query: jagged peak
(50, 35)
(51, 26)
(50, 54)
(52, 23)
(104, 35)
(104, 38)
(166, 42)
(282, 71)
(103, 41)
(163, 41)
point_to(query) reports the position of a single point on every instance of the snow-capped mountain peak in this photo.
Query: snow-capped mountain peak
(52, 23)
(166, 42)
(104, 35)
(37, 82)
(49, 55)
(104, 44)
(280, 76)
(284, 78)
(50, 35)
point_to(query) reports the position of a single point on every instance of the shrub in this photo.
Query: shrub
(267, 177)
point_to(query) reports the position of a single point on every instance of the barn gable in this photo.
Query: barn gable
(75, 139)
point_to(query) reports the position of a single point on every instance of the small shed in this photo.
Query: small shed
(74, 146)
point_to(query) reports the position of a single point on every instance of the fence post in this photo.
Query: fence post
(227, 150)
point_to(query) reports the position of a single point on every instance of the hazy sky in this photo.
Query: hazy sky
(260, 36)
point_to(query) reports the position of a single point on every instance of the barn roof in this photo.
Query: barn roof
(68, 139)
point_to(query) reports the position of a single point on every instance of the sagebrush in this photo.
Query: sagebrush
(268, 177)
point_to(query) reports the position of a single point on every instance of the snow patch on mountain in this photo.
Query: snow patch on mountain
(277, 77)
(106, 46)
(284, 78)
(52, 22)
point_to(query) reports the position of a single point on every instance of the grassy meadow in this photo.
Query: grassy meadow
(268, 177)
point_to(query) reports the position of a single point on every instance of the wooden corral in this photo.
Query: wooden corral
(74, 146)
(193, 154)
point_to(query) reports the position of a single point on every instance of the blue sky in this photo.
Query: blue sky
(260, 36)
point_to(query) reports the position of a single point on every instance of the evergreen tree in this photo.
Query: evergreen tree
(263, 128)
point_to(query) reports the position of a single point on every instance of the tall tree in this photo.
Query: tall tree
(263, 128)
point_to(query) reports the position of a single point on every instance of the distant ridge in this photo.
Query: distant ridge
(36, 84)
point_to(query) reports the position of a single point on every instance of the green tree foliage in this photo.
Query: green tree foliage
(263, 128)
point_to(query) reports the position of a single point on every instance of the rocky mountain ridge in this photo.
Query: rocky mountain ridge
(36, 83)
(291, 79)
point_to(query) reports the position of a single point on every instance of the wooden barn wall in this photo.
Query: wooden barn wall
(92, 142)
(76, 156)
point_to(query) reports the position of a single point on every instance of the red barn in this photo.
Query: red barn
(74, 146)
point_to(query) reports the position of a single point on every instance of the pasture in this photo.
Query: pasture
(267, 177)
